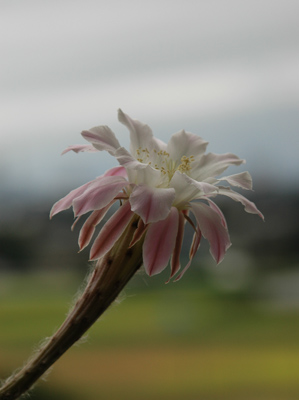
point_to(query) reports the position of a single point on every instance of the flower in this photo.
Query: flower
(162, 184)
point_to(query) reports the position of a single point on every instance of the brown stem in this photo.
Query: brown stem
(110, 275)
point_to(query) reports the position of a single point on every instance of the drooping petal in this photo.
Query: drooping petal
(218, 211)
(99, 194)
(141, 228)
(186, 144)
(211, 165)
(159, 243)
(141, 134)
(77, 148)
(90, 224)
(193, 249)
(242, 180)
(111, 231)
(151, 204)
(102, 138)
(67, 201)
(211, 226)
(175, 259)
(249, 206)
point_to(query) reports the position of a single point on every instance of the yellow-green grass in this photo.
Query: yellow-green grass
(172, 342)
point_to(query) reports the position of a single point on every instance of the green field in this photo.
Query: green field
(176, 341)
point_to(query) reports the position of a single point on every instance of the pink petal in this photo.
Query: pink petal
(159, 243)
(250, 207)
(77, 148)
(67, 201)
(99, 194)
(151, 204)
(90, 224)
(111, 231)
(102, 138)
(193, 249)
(116, 171)
(211, 165)
(218, 211)
(211, 226)
(141, 228)
(175, 259)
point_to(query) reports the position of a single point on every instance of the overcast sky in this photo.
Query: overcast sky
(227, 70)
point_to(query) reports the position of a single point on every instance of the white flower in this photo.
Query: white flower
(162, 184)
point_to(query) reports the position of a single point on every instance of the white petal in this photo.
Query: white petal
(127, 160)
(185, 144)
(187, 189)
(137, 172)
(151, 204)
(141, 134)
(77, 148)
(250, 207)
(102, 138)
(242, 180)
(211, 165)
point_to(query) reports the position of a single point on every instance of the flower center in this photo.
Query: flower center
(161, 161)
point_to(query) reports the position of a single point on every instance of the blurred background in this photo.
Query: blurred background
(225, 70)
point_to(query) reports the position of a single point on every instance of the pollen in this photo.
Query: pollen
(142, 155)
(185, 165)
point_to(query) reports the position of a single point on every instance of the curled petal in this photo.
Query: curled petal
(186, 144)
(175, 259)
(141, 228)
(211, 165)
(67, 201)
(249, 206)
(99, 194)
(111, 231)
(102, 138)
(159, 243)
(151, 204)
(90, 224)
(242, 180)
(211, 226)
(193, 249)
(77, 148)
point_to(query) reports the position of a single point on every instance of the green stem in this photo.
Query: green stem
(109, 277)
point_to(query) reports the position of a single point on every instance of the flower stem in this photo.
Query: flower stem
(111, 274)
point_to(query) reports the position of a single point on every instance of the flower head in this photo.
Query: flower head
(163, 184)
